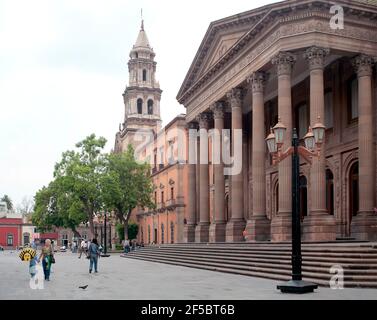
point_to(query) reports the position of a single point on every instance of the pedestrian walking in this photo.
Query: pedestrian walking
(47, 258)
(93, 254)
(126, 246)
(82, 248)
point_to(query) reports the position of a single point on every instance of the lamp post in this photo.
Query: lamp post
(105, 254)
(313, 141)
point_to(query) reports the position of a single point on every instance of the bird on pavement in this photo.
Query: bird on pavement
(83, 287)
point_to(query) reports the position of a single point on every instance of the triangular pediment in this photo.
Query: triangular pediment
(220, 37)
(220, 46)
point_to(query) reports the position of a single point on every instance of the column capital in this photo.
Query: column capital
(235, 97)
(192, 125)
(203, 120)
(363, 65)
(218, 109)
(284, 61)
(257, 81)
(316, 57)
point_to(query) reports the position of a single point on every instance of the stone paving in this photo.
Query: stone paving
(121, 278)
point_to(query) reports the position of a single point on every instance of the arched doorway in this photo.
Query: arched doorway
(353, 193)
(303, 187)
(329, 192)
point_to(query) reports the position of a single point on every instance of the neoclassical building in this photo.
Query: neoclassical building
(296, 61)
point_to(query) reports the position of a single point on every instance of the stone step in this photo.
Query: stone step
(264, 273)
(372, 270)
(349, 268)
(278, 256)
(319, 251)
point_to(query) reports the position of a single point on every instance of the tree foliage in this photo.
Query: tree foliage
(87, 182)
(5, 198)
(126, 184)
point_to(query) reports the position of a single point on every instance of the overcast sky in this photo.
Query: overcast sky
(63, 69)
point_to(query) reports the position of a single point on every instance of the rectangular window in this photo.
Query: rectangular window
(155, 197)
(171, 193)
(329, 112)
(162, 196)
(10, 240)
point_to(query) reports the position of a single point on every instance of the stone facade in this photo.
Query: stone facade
(286, 61)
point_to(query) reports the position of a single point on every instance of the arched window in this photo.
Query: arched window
(162, 233)
(303, 184)
(139, 106)
(329, 192)
(172, 232)
(150, 106)
(144, 75)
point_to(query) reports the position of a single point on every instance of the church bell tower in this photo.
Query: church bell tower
(142, 96)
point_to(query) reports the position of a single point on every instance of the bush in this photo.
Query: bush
(118, 247)
(133, 229)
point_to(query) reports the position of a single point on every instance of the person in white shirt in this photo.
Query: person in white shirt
(82, 247)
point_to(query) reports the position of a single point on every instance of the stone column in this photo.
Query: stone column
(319, 225)
(258, 227)
(282, 222)
(217, 228)
(236, 225)
(189, 231)
(364, 225)
(202, 229)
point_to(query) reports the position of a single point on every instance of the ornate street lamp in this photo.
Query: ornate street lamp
(313, 141)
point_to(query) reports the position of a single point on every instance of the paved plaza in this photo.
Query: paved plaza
(121, 278)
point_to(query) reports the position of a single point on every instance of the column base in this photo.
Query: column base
(234, 230)
(281, 228)
(202, 233)
(258, 229)
(364, 226)
(319, 227)
(189, 233)
(217, 232)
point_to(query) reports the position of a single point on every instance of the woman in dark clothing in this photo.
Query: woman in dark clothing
(93, 253)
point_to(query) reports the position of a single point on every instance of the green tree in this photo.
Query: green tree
(57, 206)
(79, 175)
(8, 201)
(126, 185)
